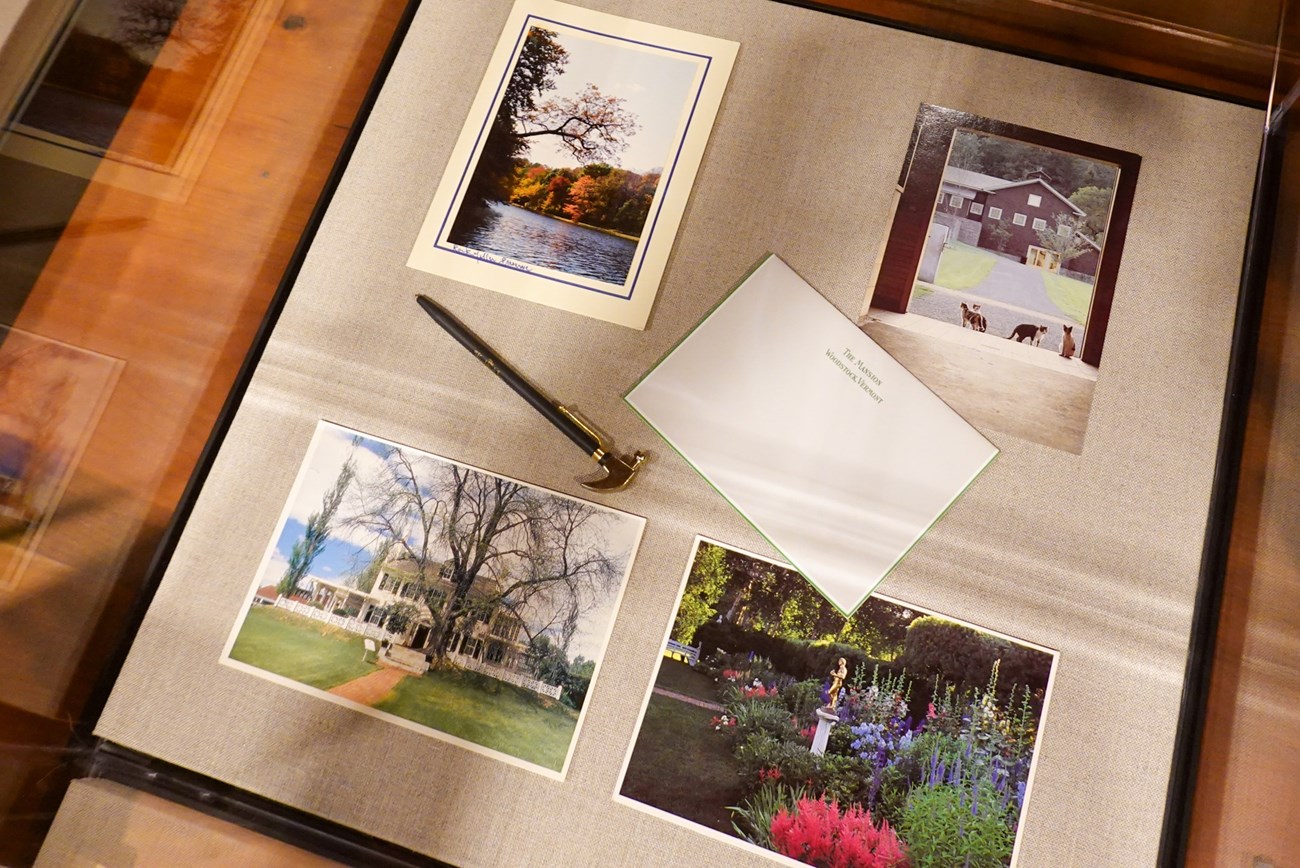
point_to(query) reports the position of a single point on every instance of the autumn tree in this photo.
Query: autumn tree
(598, 194)
(590, 125)
(540, 556)
(582, 198)
(541, 60)
(319, 525)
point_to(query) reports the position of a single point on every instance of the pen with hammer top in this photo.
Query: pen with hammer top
(619, 470)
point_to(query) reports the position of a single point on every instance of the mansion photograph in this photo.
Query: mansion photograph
(468, 606)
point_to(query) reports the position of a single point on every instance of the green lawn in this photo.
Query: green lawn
(682, 766)
(678, 677)
(487, 712)
(299, 648)
(962, 266)
(1072, 296)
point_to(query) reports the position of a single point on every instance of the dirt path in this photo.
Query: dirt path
(369, 689)
(691, 700)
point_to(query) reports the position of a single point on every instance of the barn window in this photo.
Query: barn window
(977, 208)
(954, 200)
(1040, 223)
(995, 213)
(1063, 229)
(1018, 219)
(1035, 200)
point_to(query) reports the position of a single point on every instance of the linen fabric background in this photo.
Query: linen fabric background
(1095, 555)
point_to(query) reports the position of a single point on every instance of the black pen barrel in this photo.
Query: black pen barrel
(512, 378)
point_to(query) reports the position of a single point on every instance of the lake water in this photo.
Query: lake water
(545, 241)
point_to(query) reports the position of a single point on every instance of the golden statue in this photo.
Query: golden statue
(838, 674)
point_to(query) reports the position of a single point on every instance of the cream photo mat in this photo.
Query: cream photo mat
(627, 301)
(1096, 555)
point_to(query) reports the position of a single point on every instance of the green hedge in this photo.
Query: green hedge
(965, 657)
(957, 654)
(802, 660)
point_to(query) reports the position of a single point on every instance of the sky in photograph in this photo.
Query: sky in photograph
(655, 85)
(348, 551)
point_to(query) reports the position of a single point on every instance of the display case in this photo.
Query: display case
(1122, 534)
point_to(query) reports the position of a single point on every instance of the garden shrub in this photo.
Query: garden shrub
(758, 754)
(761, 716)
(950, 825)
(803, 697)
(841, 741)
(802, 660)
(816, 833)
(842, 779)
(965, 657)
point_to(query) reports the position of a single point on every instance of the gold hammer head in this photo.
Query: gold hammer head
(618, 472)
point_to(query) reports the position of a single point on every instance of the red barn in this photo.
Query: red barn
(1006, 217)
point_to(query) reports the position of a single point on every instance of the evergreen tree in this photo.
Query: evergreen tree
(317, 532)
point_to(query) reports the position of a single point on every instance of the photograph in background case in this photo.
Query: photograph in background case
(452, 601)
(996, 281)
(51, 397)
(893, 737)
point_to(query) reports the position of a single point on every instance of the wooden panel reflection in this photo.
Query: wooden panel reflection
(175, 287)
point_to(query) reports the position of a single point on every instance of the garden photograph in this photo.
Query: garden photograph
(895, 737)
(570, 165)
(439, 597)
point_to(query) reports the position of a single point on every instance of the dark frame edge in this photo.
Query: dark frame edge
(1193, 707)
(293, 826)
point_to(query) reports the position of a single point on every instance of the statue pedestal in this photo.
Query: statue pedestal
(826, 718)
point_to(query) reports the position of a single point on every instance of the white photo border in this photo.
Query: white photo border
(714, 834)
(304, 470)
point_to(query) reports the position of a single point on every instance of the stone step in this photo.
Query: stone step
(405, 659)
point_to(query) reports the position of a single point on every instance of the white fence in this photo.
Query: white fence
(352, 625)
(505, 675)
